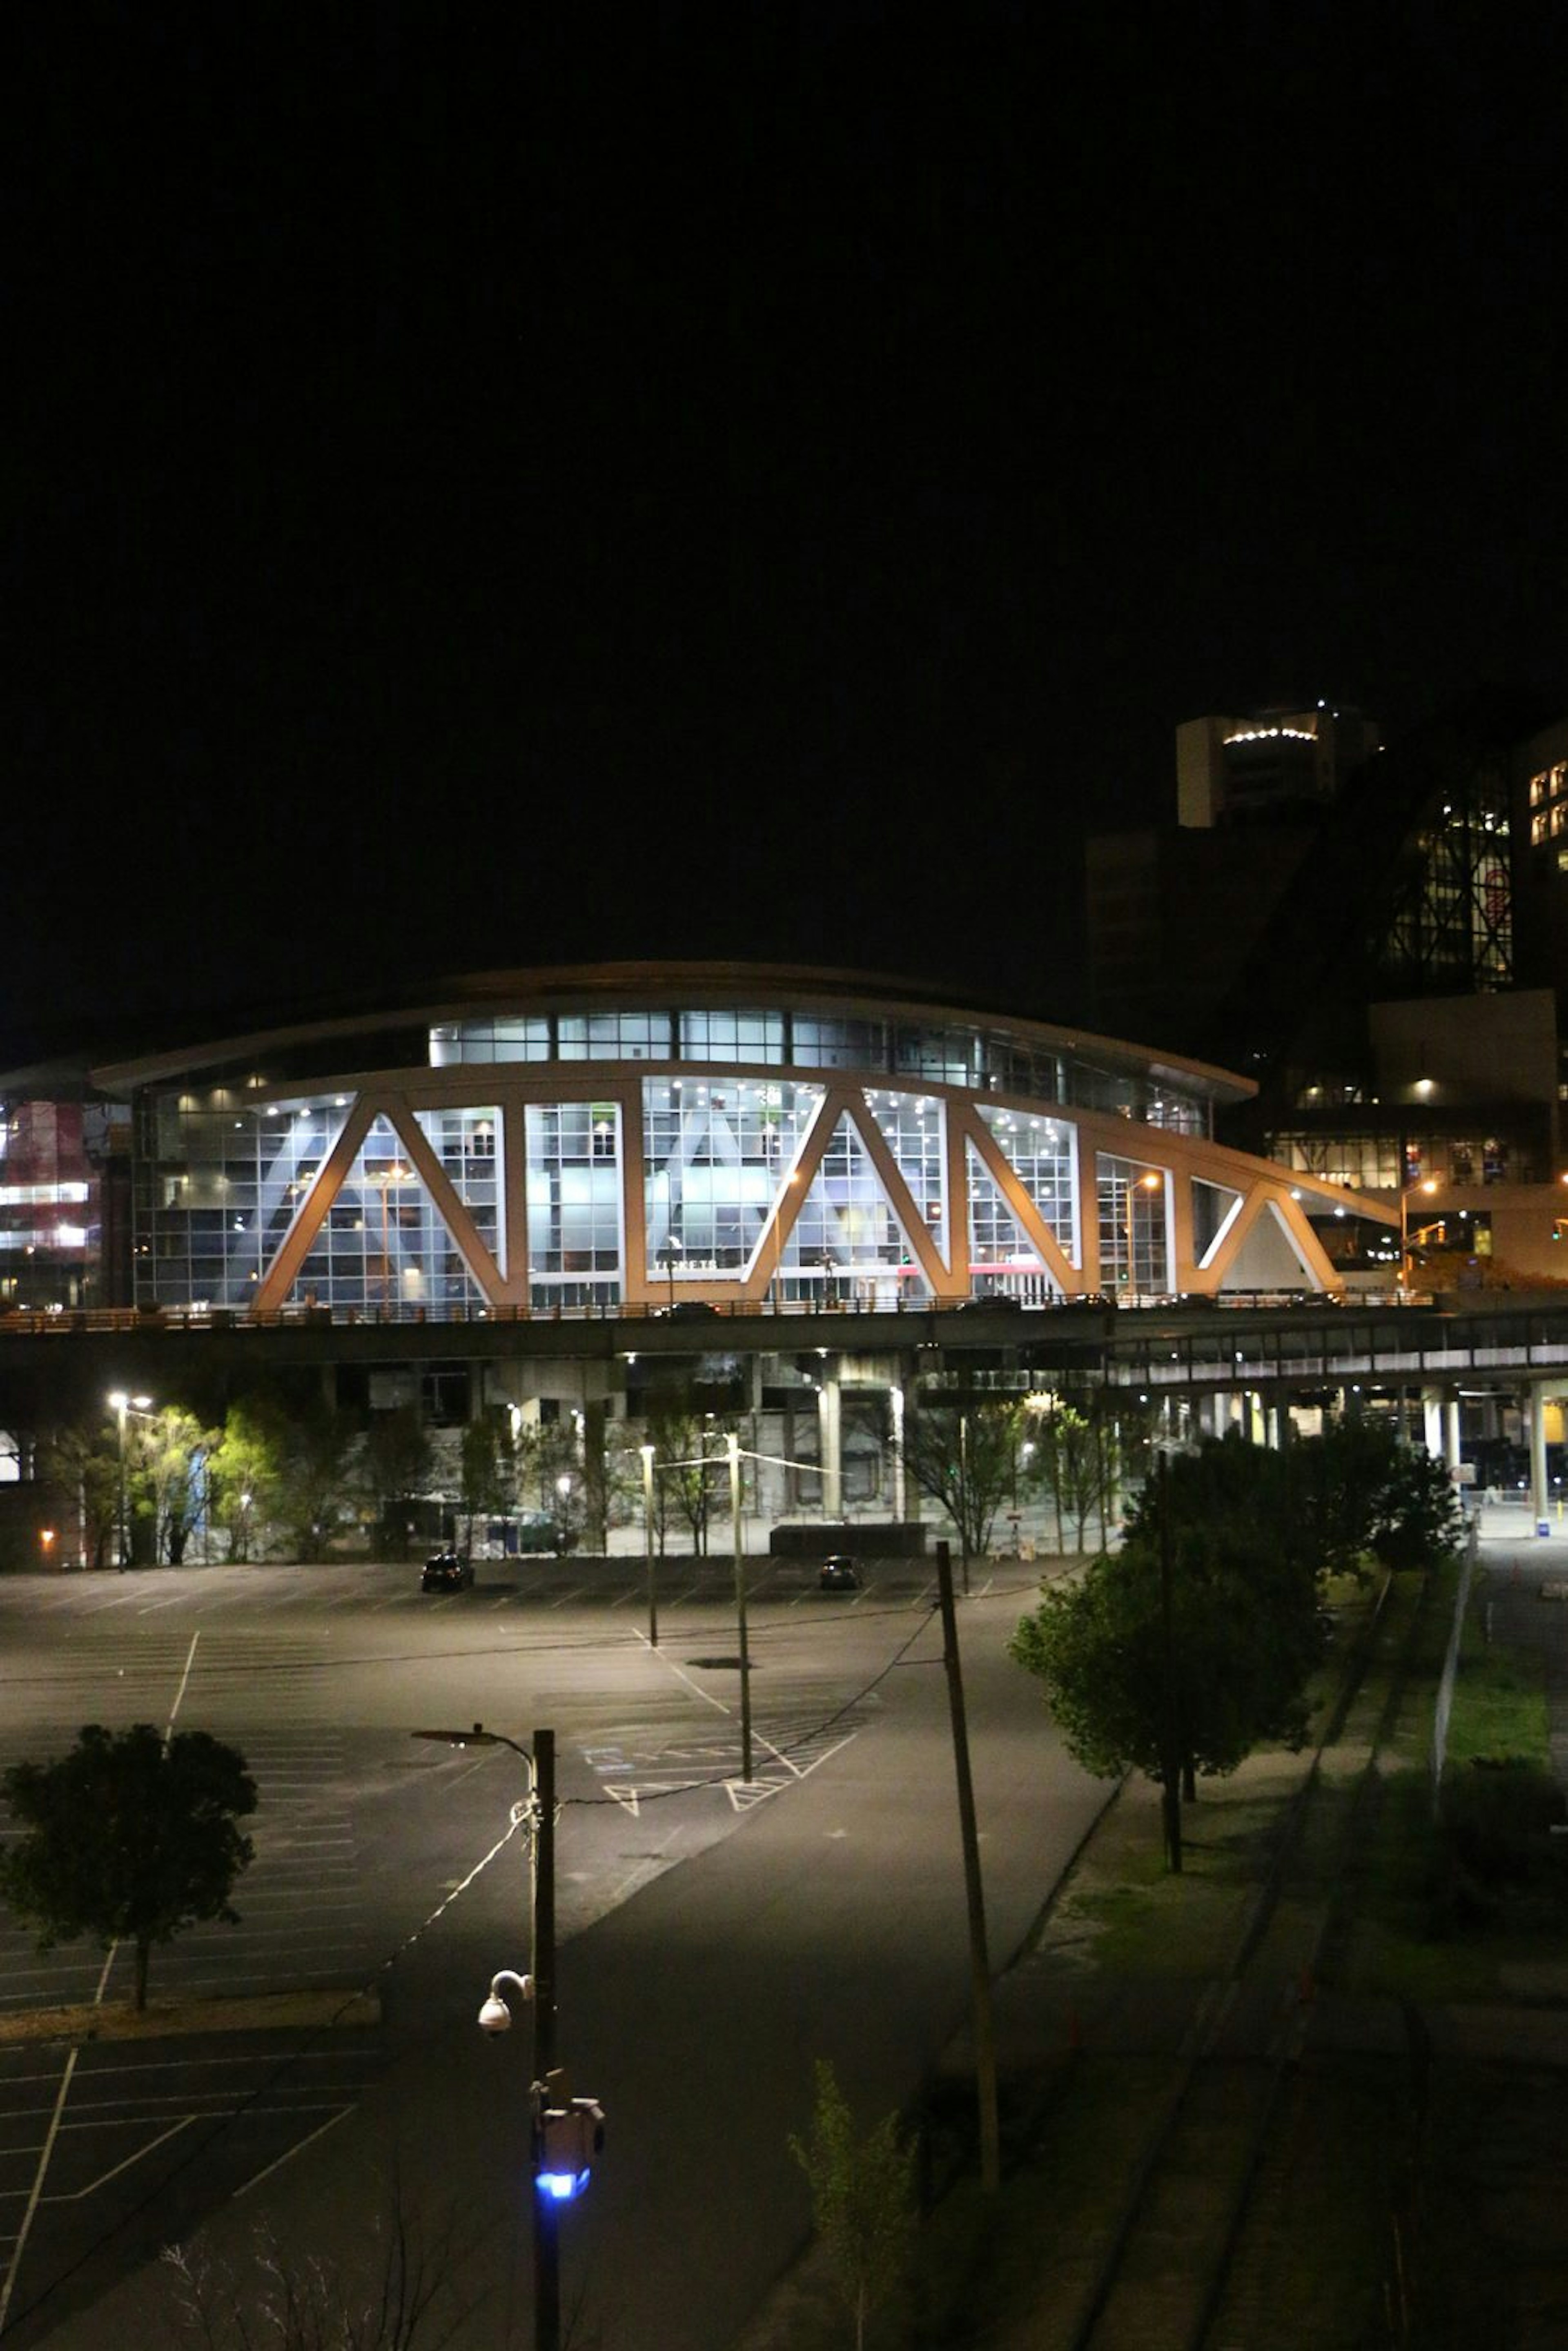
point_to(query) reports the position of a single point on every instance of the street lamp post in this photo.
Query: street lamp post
(647, 1453)
(122, 1404)
(1143, 1184)
(536, 1988)
(736, 1539)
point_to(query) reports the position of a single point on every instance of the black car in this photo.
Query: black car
(689, 1310)
(996, 1301)
(446, 1571)
(838, 1573)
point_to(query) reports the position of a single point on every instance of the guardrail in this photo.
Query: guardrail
(41, 1321)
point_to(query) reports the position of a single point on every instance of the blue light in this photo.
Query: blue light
(560, 2187)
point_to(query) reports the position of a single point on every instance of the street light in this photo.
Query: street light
(550, 2129)
(1143, 1184)
(121, 1404)
(647, 1453)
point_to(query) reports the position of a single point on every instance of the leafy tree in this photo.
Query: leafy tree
(488, 1469)
(243, 1475)
(314, 1484)
(1069, 1461)
(862, 2199)
(1180, 1652)
(1419, 1520)
(169, 1481)
(85, 1464)
(394, 1464)
(130, 1838)
(1358, 1492)
(963, 1454)
(685, 1464)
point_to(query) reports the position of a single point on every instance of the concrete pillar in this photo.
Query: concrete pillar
(1539, 1503)
(896, 1401)
(1432, 1421)
(829, 1422)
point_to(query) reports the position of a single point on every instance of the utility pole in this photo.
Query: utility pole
(738, 1543)
(1170, 1759)
(979, 1965)
(541, 1938)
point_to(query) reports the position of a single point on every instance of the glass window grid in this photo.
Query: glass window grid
(951, 1054)
(1002, 1258)
(383, 1247)
(844, 1224)
(520, 1039)
(217, 1187)
(915, 1129)
(467, 1142)
(575, 1228)
(756, 1036)
(1132, 1211)
(716, 1155)
(1041, 1154)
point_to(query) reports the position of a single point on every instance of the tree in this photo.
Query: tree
(243, 1471)
(396, 1465)
(169, 1484)
(1178, 1654)
(313, 1479)
(963, 1454)
(685, 1462)
(130, 1838)
(489, 1471)
(862, 2199)
(85, 1464)
(1067, 1461)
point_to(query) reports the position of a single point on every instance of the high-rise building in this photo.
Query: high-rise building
(1252, 794)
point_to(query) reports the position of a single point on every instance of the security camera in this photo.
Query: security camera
(495, 2016)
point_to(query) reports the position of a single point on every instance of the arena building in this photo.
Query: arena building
(617, 1139)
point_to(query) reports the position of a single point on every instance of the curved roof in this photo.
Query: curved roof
(600, 986)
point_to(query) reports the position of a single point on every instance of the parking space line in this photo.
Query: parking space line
(77, 2195)
(289, 2152)
(8, 2287)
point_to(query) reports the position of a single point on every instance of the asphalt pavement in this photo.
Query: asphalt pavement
(824, 1916)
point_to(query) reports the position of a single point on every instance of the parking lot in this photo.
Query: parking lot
(110, 2148)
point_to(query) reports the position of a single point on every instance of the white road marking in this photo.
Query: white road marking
(8, 2288)
(289, 2152)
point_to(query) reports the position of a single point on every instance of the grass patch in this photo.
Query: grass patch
(1407, 1936)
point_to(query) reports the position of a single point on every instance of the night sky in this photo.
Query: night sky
(490, 487)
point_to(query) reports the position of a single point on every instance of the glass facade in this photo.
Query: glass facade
(915, 1132)
(218, 1185)
(716, 1158)
(1042, 1153)
(1002, 1258)
(714, 1172)
(1134, 1248)
(846, 1240)
(990, 1060)
(577, 1241)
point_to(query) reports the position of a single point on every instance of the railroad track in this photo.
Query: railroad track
(1171, 2272)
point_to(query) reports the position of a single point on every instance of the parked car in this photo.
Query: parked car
(446, 1571)
(838, 1572)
